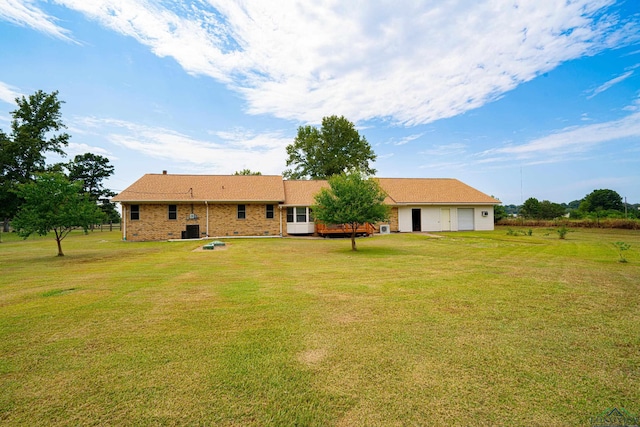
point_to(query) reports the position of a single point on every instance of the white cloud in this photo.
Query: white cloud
(572, 140)
(233, 150)
(405, 61)
(610, 83)
(8, 93)
(446, 150)
(406, 139)
(26, 14)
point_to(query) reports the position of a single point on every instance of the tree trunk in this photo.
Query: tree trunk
(354, 227)
(5, 225)
(59, 242)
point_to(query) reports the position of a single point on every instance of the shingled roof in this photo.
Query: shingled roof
(271, 188)
(210, 188)
(405, 191)
(301, 193)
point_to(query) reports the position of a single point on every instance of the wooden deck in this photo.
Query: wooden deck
(325, 230)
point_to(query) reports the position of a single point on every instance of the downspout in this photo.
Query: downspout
(280, 209)
(207, 205)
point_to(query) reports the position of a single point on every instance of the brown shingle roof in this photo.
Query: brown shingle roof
(432, 191)
(271, 188)
(211, 188)
(301, 193)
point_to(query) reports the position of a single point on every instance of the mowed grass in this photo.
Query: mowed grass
(470, 328)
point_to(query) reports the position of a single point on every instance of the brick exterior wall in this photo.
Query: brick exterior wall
(393, 219)
(154, 222)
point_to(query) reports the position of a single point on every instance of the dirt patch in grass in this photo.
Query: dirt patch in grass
(312, 357)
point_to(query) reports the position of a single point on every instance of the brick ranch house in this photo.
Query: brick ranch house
(167, 206)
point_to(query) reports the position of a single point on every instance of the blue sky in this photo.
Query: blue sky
(517, 98)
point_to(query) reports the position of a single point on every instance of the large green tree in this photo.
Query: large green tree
(602, 200)
(335, 148)
(532, 208)
(352, 200)
(91, 170)
(36, 130)
(53, 203)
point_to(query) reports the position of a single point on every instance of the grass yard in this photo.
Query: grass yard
(473, 328)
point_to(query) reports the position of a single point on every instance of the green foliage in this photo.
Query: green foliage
(530, 208)
(335, 148)
(550, 210)
(34, 133)
(562, 232)
(534, 209)
(622, 247)
(511, 232)
(52, 203)
(247, 172)
(602, 200)
(351, 200)
(91, 170)
(499, 212)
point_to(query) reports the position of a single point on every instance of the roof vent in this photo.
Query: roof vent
(164, 172)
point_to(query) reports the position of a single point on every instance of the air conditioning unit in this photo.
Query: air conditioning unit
(385, 229)
(193, 216)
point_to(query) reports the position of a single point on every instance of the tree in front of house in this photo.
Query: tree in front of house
(53, 203)
(91, 170)
(35, 131)
(337, 147)
(353, 200)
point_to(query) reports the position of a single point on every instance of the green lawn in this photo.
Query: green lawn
(473, 328)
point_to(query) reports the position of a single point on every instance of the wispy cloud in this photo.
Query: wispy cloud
(408, 62)
(238, 148)
(8, 93)
(445, 150)
(573, 140)
(26, 14)
(610, 83)
(407, 139)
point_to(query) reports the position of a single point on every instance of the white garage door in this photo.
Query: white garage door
(465, 219)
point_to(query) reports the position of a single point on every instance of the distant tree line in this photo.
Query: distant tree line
(603, 203)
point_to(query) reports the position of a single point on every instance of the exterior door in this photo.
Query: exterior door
(445, 219)
(416, 219)
(193, 231)
(465, 219)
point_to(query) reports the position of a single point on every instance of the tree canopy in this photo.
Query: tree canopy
(91, 170)
(53, 203)
(602, 200)
(352, 200)
(35, 131)
(335, 148)
(532, 208)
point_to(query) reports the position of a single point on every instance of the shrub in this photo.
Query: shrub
(622, 246)
(562, 232)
